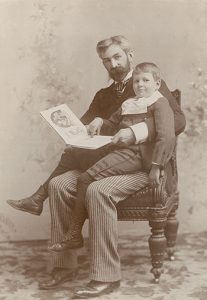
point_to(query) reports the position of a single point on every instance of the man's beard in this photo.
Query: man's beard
(119, 73)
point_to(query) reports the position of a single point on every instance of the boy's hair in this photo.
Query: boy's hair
(148, 67)
(119, 40)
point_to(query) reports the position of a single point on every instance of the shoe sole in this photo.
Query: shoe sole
(106, 292)
(78, 246)
(22, 209)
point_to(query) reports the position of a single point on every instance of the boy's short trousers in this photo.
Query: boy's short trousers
(117, 162)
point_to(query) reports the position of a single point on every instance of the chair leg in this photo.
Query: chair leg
(171, 230)
(157, 245)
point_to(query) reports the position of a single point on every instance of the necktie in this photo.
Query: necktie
(120, 87)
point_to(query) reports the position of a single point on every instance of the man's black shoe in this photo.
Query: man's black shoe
(95, 289)
(57, 277)
(32, 204)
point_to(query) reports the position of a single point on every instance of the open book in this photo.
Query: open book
(72, 131)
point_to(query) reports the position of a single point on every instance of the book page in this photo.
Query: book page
(71, 129)
(64, 121)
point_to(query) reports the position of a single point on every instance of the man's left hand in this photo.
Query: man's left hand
(124, 137)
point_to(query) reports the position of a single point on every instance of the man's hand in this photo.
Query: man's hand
(94, 127)
(124, 137)
(154, 176)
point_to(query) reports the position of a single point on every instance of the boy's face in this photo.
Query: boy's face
(144, 84)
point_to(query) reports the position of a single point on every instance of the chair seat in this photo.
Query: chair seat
(147, 204)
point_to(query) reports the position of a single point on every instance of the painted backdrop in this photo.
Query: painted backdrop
(48, 57)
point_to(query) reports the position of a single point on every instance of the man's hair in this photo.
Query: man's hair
(119, 40)
(148, 67)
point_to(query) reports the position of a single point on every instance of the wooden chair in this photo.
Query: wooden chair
(159, 208)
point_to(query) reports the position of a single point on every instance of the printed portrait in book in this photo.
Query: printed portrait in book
(60, 118)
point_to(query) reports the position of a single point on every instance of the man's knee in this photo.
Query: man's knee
(56, 183)
(53, 183)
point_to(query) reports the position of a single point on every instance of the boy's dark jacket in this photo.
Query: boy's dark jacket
(105, 103)
(158, 151)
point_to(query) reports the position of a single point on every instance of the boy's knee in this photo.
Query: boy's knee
(84, 179)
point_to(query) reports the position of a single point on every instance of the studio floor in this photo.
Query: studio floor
(23, 264)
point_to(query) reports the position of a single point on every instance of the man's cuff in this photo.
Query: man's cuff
(140, 131)
(100, 120)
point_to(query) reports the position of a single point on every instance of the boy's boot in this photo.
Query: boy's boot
(32, 204)
(73, 238)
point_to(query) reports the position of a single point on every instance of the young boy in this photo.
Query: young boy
(117, 160)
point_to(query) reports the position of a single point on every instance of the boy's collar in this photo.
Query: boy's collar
(156, 95)
(139, 105)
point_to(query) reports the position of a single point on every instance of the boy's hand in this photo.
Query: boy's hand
(94, 127)
(154, 176)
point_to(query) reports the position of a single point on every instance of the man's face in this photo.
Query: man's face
(116, 62)
(144, 84)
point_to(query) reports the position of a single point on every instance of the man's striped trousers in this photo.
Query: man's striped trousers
(101, 199)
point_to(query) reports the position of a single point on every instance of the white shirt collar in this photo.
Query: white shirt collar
(128, 76)
(151, 99)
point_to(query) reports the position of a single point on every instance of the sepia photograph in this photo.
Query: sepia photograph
(103, 161)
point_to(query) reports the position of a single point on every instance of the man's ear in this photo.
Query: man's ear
(130, 55)
(158, 83)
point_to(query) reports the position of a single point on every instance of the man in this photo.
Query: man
(103, 194)
(117, 57)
